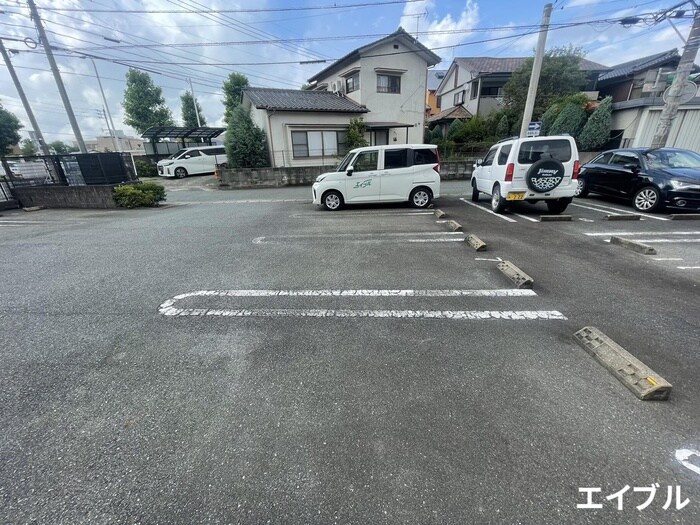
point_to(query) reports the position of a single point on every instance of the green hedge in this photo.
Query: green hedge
(145, 168)
(139, 195)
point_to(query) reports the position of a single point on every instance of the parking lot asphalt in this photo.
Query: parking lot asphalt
(244, 357)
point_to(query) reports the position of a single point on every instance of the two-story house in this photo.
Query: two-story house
(637, 88)
(384, 82)
(474, 85)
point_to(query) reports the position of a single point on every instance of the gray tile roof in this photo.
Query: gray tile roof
(508, 65)
(435, 76)
(300, 100)
(640, 64)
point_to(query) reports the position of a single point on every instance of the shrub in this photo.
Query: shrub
(145, 168)
(135, 196)
(503, 127)
(570, 121)
(596, 132)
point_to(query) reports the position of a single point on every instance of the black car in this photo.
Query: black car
(650, 178)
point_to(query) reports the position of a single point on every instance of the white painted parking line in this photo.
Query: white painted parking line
(247, 201)
(526, 217)
(508, 219)
(503, 292)
(367, 237)
(594, 209)
(336, 215)
(667, 259)
(684, 454)
(688, 267)
(626, 212)
(455, 315)
(668, 241)
(605, 234)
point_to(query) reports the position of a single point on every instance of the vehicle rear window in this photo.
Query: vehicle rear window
(533, 150)
(503, 154)
(425, 156)
(395, 158)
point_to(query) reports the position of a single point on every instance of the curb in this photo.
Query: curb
(515, 274)
(439, 213)
(641, 380)
(555, 218)
(475, 242)
(626, 217)
(685, 217)
(635, 246)
(454, 226)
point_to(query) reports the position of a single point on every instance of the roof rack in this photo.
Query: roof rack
(508, 138)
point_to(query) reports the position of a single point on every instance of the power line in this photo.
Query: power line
(253, 10)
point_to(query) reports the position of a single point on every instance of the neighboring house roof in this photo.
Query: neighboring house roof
(435, 76)
(302, 100)
(492, 65)
(453, 113)
(640, 64)
(411, 43)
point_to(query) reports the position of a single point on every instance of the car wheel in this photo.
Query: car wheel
(498, 203)
(475, 192)
(180, 173)
(581, 188)
(420, 198)
(558, 206)
(647, 199)
(332, 200)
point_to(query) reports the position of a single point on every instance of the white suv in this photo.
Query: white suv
(529, 169)
(405, 172)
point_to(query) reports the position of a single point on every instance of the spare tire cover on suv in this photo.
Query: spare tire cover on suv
(545, 175)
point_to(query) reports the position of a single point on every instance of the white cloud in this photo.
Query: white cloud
(468, 19)
(579, 3)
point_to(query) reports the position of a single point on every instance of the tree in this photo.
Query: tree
(570, 121)
(454, 129)
(356, 134)
(9, 130)
(144, 105)
(233, 93)
(189, 117)
(503, 128)
(246, 143)
(550, 115)
(27, 148)
(560, 76)
(596, 132)
(60, 147)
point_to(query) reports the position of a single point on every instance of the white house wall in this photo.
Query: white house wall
(684, 133)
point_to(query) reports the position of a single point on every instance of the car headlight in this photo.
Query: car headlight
(680, 184)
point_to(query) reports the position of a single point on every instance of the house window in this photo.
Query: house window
(318, 143)
(438, 103)
(352, 83)
(492, 91)
(475, 90)
(459, 98)
(388, 84)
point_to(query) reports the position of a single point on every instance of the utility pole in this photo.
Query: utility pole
(673, 100)
(57, 76)
(112, 131)
(112, 134)
(27, 108)
(194, 101)
(536, 69)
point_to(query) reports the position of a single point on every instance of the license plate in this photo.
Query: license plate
(515, 196)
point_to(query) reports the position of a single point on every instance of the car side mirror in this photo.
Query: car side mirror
(632, 167)
(350, 170)
(479, 162)
(187, 156)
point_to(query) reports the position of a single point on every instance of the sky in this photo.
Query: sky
(204, 44)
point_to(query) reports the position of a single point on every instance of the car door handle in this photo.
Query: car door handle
(384, 173)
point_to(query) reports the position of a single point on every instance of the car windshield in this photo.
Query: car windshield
(344, 163)
(672, 159)
(177, 155)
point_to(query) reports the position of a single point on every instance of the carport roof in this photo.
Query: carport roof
(157, 133)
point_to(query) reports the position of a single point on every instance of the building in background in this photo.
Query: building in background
(432, 101)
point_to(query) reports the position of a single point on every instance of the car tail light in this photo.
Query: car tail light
(437, 166)
(509, 172)
(577, 168)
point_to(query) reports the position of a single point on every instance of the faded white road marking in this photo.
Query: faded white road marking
(424, 240)
(497, 259)
(585, 220)
(667, 259)
(508, 219)
(594, 209)
(625, 212)
(688, 267)
(668, 241)
(456, 315)
(246, 201)
(684, 454)
(336, 215)
(526, 217)
(598, 234)
(366, 237)
(502, 292)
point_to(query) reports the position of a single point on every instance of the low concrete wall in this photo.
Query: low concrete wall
(66, 196)
(306, 175)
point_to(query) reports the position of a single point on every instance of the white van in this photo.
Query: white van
(192, 161)
(528, 169)
(397, 173)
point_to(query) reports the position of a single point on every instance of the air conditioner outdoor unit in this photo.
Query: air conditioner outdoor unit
(334, 87)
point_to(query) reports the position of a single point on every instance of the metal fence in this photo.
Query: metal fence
(85, 169)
